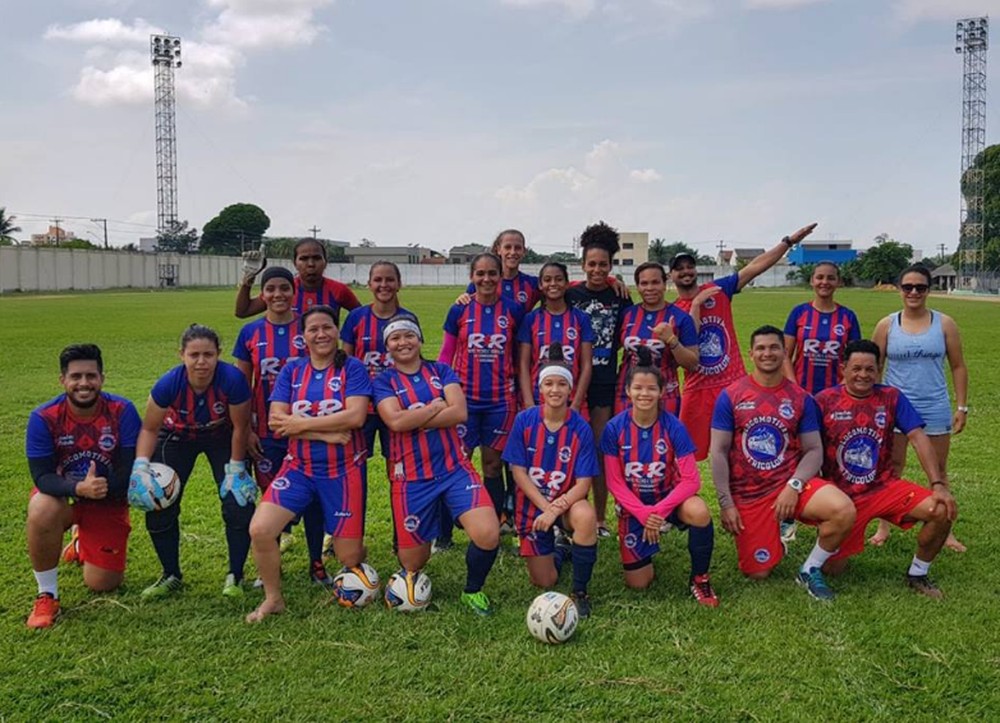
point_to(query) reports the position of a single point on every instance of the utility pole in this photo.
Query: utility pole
(315, 230)
(721, 245)
(105, 222)
(941, 248)
(57, 221)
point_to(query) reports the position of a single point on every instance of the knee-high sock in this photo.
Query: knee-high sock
(701, 542)
(584, 557)
(478, 563)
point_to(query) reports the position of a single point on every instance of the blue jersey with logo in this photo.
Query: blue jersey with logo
(191, 413)
(648, 454)
(266, 347)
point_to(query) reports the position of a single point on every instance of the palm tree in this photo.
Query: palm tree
(7, 227)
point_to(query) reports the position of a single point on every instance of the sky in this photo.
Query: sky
(441, 122)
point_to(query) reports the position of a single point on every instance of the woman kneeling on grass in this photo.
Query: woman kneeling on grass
(422, 404)
(319, 403)
(551, 453)
(651, 471)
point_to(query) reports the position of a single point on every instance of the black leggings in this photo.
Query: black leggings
(164, 525)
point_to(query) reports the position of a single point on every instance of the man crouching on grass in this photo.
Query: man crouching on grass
(80, 448)
(858, 418)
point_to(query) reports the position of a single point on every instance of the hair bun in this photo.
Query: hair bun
(556, 352)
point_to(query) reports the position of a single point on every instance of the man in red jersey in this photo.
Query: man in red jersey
(766, 455)
(858, 418)
(720, 362)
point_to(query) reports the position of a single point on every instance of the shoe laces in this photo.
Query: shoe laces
(702, 587)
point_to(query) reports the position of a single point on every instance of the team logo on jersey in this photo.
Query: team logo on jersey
(66, 440)
(462, 430)
(502, 321)
(761, 555)
(219, 408)
(264, 465)
(764, 443)
(713, 346)
(785, 409)
(838, 329)
(522, 297)
(880, 417)
(565, 454)
(299, 342)
(411, 523)
(281, 483)
(334, 384)
(571, 333)
(106, 442)
(436, 383)
(708, 303)
(857, 456)
(661, 446)
(631, 541)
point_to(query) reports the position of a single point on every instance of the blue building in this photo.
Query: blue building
(812, 251)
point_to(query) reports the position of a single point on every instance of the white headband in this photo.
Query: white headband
(555, 370)
(401, 325)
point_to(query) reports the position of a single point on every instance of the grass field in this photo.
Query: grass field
(769, 652)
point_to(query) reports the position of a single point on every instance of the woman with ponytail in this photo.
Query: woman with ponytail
(551, 454)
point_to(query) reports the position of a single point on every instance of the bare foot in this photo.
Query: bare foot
(881, 534)
(268, 607)
(952, 543)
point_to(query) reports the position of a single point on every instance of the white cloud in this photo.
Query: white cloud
(576, 8)
(106, 30)
(265, 23)
(646, 175)
(779, 4)
(913, 11)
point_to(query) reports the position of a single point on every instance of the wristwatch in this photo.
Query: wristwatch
(788, 241)
(796, 484)
(962, 408)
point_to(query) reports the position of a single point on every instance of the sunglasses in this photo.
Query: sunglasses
(910, 288)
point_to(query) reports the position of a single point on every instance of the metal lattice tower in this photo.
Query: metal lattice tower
(972, 42)
(165, 54)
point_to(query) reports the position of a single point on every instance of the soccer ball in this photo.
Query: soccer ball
(168, 481)
(355, 587)
(408, 591)
(552, 618)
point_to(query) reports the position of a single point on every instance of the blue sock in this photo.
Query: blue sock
(559, 554)
(494, 485)
(701, 541)
(584, 557)
(478, 563)
(447, 522)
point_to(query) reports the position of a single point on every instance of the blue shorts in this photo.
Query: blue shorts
(487, 426)
(936, 416)
(415, 508)
(342, 499)
(266, 468)
(632, 547)
(375, 424)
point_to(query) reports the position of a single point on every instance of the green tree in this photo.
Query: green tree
(661, 252)
(883, 261)
(7, 228)
(237, 227)
(77, 243)
(178, 239)
(565, 257)
(801, 274)
(533, 257)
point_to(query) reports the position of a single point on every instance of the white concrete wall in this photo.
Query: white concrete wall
(30, 268)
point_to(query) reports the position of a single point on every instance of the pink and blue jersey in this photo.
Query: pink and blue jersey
(266, 347)
(648, 454)
(485, 354)
(541, 328)
(421, 454)
(522, 289)
(191, 413)
(636, 330)
(820, 338)
(720, 362)
(363, 330)
(311, 392)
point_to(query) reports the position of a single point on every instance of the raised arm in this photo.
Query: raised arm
(772, 256)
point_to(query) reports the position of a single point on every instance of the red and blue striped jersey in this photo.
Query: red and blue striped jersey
(720, 361)
(554, 459)
(522, 289)
(53, 430)
(858, 435)
(191, 413)
(363, 330)
(766, 423)
(420, 454)
(311, 392)
(636, 330)
(820, 338)
(570, 329)
(648, 454)
(331, 293)
(485, 354)
(266, 347)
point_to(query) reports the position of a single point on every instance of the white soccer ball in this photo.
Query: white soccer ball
(355, 587)
(552, 617)
(168, 480)
(408, 591)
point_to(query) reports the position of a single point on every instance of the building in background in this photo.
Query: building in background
(53, 237)
(465, 254)
(812, 251)
(395, 254)
(635, 248)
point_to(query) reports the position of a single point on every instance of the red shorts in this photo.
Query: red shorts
(758, 547)
(104, 530)
(697, 407)
(891, 502)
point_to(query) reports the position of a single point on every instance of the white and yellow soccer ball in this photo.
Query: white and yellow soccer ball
(552, 617)
(355, 587)
(408, 591)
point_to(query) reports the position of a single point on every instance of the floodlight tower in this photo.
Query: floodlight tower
(165, 54)
(972, 42)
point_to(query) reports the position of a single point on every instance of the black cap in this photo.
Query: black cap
(682, 255)
(280, 272)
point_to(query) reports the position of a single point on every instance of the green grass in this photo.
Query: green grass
(768, 653)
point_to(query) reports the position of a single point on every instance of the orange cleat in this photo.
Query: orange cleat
(44, 613)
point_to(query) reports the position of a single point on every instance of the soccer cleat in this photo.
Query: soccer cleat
(603, 531)
(478, 601)
(327, 547)
(701, 589)
(44, 612)
(71, 553)
(441, 546)
(286, 540)
(815, 584)
(582, 602)
(923, 585)
(319, 575)
(787, 530)
(232, 587)
(164, 587)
